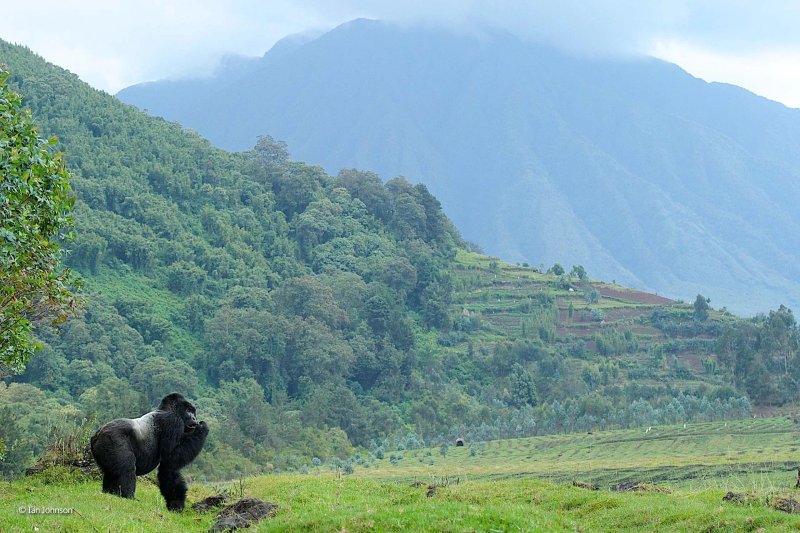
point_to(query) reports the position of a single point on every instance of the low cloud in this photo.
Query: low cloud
(115, 43)
(598, 26)
(112, 44)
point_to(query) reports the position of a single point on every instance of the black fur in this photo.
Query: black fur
(169, 437)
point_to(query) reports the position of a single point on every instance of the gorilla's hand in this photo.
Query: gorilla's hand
(200, 427)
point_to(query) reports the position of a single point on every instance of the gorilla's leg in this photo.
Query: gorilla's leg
(173, 488)
(122, 485)
(120, 477)
(128, 483)
(111, 484)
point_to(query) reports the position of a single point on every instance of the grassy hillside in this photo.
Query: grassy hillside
(521, 484)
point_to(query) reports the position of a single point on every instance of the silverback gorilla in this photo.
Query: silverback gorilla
(169, 437)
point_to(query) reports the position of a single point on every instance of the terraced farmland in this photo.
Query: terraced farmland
(584, 319)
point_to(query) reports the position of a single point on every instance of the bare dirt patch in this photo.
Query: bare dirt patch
(638, 486)
(585, 485)
(243, 514)
(787, 505)
(693, 360)
(632, 295)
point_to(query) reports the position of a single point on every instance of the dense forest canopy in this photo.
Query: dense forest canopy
(308, 313)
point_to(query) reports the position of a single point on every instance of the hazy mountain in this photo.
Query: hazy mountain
(632, 168)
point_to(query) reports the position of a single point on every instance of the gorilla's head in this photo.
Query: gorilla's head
(183, 408)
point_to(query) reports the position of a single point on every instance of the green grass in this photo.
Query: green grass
(510, 485)
(325, 502)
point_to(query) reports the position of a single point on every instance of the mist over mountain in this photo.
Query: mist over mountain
(633, 168)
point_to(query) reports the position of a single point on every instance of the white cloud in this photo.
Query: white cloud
(115, 43)
(772, 73)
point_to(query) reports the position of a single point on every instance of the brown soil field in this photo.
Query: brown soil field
(632, 296)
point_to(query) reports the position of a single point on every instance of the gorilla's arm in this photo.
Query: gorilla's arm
(187, 449)
(170, 431)
(177, 447)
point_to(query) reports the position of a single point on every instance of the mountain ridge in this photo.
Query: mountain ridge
(630, 167)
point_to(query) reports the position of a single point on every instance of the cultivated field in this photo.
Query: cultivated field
(759, 454)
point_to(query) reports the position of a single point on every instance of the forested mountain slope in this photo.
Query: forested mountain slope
(307, 313)
(632, 168)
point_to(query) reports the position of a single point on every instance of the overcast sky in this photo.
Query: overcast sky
(115, 43)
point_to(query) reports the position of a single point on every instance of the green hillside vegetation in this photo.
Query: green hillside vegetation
(679, 474)
(311, 317)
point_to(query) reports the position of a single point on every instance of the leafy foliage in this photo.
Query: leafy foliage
(35, 205)
(762, 355)
(701, 308)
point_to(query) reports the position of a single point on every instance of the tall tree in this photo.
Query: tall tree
(35, 205)
(701, 308)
